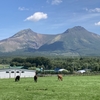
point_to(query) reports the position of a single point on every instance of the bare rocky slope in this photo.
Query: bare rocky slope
(22, 40)
(76, 40)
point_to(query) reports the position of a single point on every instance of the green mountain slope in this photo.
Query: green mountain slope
(74, 41)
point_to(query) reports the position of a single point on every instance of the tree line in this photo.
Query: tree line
(70, 63)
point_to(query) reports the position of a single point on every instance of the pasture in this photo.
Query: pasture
(4, 66)
(49, 88)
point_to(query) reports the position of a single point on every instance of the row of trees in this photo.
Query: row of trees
(31, 62)
(71, 64)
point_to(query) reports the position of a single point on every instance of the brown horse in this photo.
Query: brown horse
(60, 77)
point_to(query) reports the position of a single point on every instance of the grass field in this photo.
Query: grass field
(4, 66)
(49, 88)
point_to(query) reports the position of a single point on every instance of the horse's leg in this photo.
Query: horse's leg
(61, 78)
(58, 77)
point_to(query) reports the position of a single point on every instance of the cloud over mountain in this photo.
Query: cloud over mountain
(37, 16)
(98, 23)
(93, 10)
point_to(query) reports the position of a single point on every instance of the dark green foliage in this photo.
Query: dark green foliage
(70, 64)
(30, 62)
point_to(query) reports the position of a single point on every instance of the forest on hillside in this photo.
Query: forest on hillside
(71, 64)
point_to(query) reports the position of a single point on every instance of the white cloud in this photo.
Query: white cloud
(22, 8)
(56, 2)
(93, 10)
(98, 23)
(37, 16)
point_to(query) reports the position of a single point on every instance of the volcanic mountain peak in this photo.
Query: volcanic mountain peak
(24, 32)
(74, 29)
(75, 40)
(78, 28)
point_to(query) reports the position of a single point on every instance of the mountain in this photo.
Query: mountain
(74, 41)
(23, 40)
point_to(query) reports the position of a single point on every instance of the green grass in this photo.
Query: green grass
(49, 88)
(4, 66)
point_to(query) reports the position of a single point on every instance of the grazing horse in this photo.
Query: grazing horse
(17, 78)
(35, 78)
(60, 77)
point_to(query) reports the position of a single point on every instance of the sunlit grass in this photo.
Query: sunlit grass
(4, 66)
(49, 88)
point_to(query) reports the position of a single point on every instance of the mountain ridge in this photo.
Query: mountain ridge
(76, 40)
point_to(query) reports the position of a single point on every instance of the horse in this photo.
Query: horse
(17, 78)
(35, 78)
(60, 77)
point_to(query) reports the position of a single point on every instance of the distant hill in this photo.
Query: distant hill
(23, 40)
(74, 41)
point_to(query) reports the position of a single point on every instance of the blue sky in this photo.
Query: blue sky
(48, 16)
